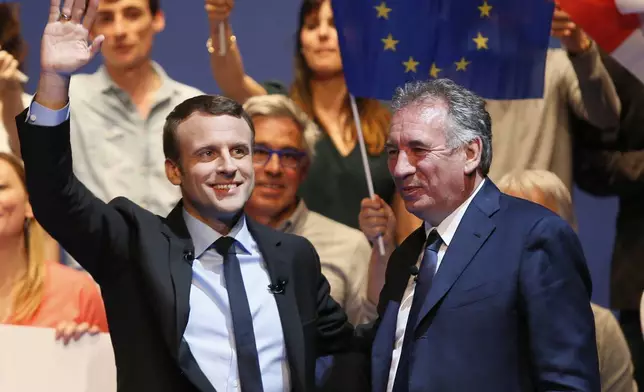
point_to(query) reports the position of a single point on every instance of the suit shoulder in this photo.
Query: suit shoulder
(525, 212)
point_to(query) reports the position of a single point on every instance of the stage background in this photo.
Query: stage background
(265, 33)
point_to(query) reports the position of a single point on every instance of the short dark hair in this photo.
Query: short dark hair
(155, 6)
(215, 105)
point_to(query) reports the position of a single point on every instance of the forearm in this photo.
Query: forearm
(12, 106)
(593, 95)
(228, 68)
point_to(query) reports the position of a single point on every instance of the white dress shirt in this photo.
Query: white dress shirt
(209, 332)
(446, 229)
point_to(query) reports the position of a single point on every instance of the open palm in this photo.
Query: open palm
(65, 44)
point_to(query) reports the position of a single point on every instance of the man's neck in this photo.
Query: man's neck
(140, 83)
(469, 187)
(272, 220)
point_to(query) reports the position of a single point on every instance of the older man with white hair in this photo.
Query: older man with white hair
(284, 148)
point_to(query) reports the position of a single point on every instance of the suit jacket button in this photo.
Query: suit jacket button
(188, 255)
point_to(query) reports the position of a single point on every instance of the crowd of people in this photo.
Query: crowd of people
(160, 214)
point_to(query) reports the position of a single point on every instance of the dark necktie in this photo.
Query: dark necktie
(423, 284)
(250, 376)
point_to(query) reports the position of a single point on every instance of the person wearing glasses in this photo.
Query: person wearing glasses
(285, 140)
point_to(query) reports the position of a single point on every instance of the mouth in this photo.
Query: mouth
(410, 191)
(222, 189)
(269, 186)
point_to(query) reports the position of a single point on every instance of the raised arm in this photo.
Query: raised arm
(226, 63)
(10, 97)
(587, 84)
(90, 230)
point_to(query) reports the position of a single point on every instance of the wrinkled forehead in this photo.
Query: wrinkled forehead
(425, 121)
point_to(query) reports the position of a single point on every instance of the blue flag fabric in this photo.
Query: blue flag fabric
(496, 48)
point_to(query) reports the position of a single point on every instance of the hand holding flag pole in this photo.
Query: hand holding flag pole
(222, 39)
(365, 161)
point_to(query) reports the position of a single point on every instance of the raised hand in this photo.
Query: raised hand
(572, 37)
(65, 43)
(377, 219)
(219, 10)
(8, 72)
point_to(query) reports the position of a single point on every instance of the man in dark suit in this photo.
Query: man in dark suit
(205, 299)
(492, 293)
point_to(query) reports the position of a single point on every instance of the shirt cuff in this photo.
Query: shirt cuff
(42, 116)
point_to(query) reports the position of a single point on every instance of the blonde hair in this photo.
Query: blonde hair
(28, 291)
(280, 106)
(542, 187)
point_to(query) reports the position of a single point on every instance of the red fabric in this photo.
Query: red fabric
(602, 21)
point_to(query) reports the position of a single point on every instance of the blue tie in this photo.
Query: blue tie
(423, 284)
(250, 376)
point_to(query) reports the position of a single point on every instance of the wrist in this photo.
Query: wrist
(53, 90)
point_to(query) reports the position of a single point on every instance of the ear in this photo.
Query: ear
(173, 172)
(29, 212)
(158, 22)
(472, 156)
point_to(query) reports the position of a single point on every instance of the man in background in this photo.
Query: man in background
(284, 146)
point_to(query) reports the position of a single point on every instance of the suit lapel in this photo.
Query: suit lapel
(181, 255)
(280, 270)
(472, 232)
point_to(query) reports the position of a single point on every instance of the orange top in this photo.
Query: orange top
(69, 295)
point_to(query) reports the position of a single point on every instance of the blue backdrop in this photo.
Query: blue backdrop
(265, 33)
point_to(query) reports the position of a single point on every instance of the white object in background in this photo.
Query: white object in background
(31, 360)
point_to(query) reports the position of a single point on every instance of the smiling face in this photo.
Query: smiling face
(275, 193)
(216, 168)
(319, 42)
(430, 176)
(14, 203)
(129, 28)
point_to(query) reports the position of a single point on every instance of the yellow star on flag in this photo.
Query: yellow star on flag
(481, 42)
(383, 11)
(434, 70)
(390, 43)
(462, 64)
(485, 9)
(410, 65)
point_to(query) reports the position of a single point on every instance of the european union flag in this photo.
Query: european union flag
(496, 48)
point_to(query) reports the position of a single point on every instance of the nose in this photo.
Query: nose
(226, 165)
(273, 166)
(118, 27)
(323, 30)
(402, 167)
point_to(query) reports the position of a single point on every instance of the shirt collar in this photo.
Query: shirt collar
(447, 228)
(296, 220)
(203, 236)
(106, 84)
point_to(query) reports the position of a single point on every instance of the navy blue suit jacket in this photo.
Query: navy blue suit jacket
(509, 308)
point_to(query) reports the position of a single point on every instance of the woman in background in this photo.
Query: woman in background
(34, 290)
(336, 183)
(545, 188)
(13, 51)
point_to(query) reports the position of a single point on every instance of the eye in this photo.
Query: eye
(391, 151)
(238, 152)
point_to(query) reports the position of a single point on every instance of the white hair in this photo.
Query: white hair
(275, 105)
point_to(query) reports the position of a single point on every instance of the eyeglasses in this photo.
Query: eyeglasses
(288, 158)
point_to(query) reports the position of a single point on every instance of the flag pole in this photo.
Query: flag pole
(365, 161)
(222, 39)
